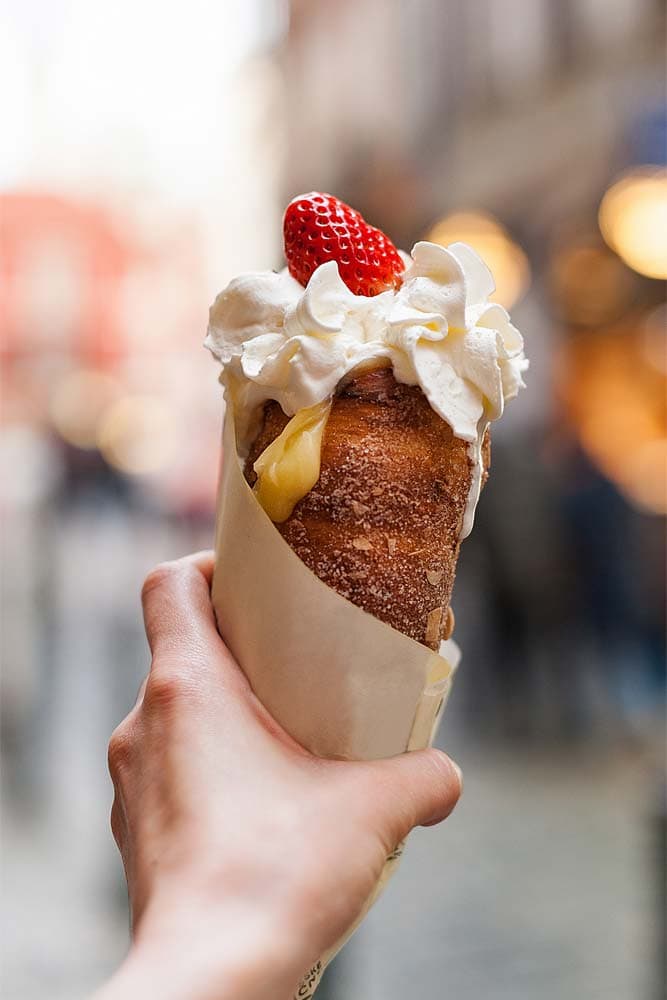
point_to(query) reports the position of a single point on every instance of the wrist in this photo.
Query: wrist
(189, 952)
(150, 973)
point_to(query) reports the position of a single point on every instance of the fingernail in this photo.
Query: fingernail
(458, 770)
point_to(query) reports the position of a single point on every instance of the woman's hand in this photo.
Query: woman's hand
(246, 857)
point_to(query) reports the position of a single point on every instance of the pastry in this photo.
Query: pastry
(382, 525)
(363, 384)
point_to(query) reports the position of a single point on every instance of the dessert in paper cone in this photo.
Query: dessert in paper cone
(360, 385)
(363, 384)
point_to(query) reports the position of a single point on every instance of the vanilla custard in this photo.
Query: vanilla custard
(290, 466)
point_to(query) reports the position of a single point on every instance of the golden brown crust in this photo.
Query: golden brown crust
(382, 524)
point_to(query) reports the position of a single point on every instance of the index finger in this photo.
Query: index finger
(176, 599)
(188, 652)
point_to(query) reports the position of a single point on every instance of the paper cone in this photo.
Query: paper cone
(341, 682)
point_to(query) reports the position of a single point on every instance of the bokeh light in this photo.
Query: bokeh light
(591, 286)
(78, 404)
(138, 434)
(507, 261)
(616, 402)
(633, 221)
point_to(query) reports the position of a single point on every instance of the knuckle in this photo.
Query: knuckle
(121, 748)
(169, 574)
(116, 822)
(160, 575)
(167, 689)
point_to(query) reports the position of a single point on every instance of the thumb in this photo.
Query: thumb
(419, 788)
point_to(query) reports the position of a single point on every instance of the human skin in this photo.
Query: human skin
(245, 856)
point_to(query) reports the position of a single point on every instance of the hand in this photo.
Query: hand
(245, 856)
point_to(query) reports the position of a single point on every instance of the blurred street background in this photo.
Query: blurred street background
(148, 151)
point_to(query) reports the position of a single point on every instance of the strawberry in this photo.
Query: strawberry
(318, 228)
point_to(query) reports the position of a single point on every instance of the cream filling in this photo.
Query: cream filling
(290, 466)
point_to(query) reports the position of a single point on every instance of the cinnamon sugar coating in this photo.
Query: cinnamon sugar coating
(381, 526)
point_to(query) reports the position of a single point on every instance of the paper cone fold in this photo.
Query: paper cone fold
(341, 682)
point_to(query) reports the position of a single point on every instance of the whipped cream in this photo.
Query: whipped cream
(278, 340)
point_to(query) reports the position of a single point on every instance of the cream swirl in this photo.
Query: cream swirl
(277, 340)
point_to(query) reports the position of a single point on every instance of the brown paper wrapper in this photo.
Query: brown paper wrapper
(341, 682)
